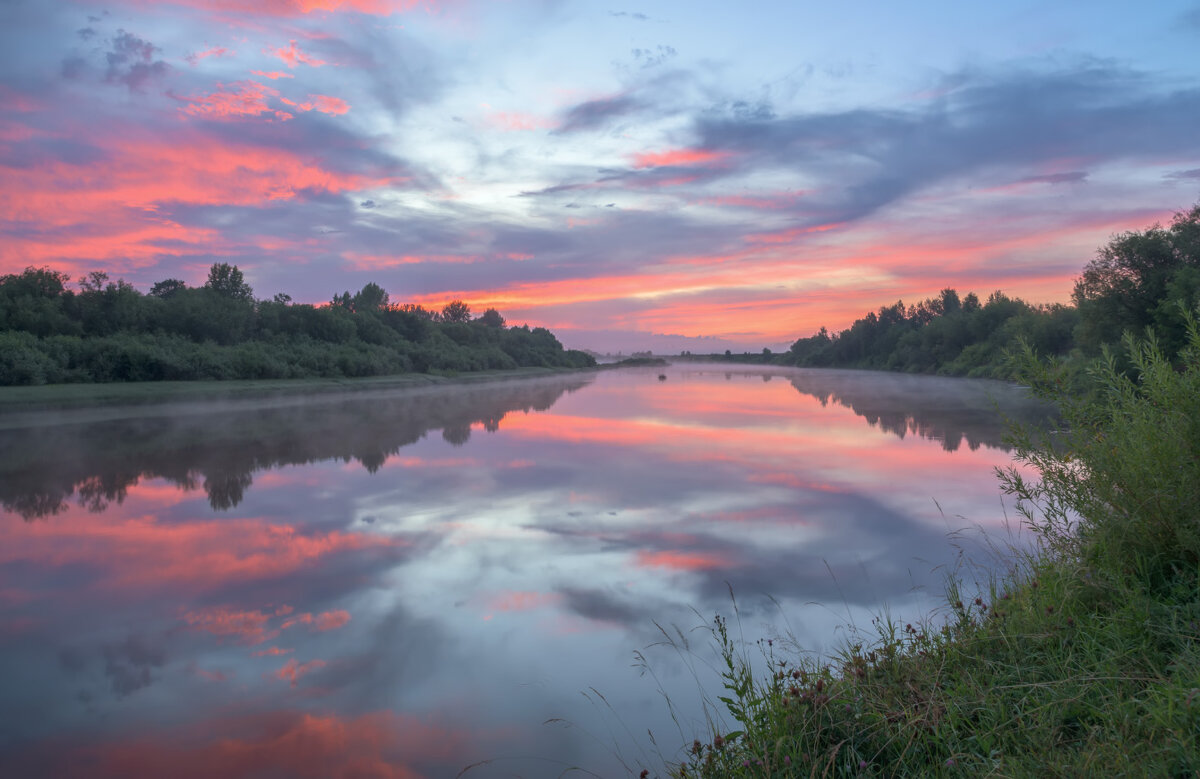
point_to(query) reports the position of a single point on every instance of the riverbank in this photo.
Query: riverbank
(48, 397)
(1083, 659)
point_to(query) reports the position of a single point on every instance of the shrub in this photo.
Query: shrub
(1083, 660)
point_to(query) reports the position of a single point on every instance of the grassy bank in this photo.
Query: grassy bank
(1082, 660)
(58, 396)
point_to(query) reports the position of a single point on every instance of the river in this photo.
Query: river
(410, 582)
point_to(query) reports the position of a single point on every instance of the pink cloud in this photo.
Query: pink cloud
(249, 627)
(676, 158)
(328, 620)
(378, 261)
(292, 670)
(304, 618)
(110, 210)
(791, 235)
(682, 561)
(240, 99)
(326, 104)
(293, 56)
(332, 620)
(141, 554)
(272, 74)
(215, 51)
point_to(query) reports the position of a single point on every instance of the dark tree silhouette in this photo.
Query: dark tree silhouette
(492, 318)
(227, 281)
(167, 288)
(456, 311)
(1139, 280)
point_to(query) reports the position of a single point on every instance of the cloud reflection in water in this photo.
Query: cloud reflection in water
(335, 584)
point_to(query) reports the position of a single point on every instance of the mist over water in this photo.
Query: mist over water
(407, 582)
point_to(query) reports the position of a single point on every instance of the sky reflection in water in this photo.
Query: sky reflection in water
(403, 583)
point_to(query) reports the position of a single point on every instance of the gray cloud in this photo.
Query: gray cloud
(73, 67)
(606, 607)
(131, 62)
(648, 58)
(554, 190)
(865, 159)
(594, 114)
(1194, 173)
(129, 665)
(402, 71)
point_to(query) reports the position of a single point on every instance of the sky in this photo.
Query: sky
(644, 175)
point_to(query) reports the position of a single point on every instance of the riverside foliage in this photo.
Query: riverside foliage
(1136, 282)
(109, 331)
(1084, 660)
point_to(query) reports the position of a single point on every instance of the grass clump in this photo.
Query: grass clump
(1083, 660)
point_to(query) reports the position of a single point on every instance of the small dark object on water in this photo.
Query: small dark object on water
(662, 377)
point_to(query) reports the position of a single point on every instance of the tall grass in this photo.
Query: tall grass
(1082, 660)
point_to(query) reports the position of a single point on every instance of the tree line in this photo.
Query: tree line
(1145, 282)
(109, 331)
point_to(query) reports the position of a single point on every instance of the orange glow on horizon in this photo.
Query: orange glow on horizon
(827, 284)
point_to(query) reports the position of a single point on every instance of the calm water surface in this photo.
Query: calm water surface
(403, 583)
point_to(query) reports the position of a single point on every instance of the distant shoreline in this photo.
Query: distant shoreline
(49, 397)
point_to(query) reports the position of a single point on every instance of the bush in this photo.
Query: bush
(22, 362)
(1083, 660)
(1120, 490)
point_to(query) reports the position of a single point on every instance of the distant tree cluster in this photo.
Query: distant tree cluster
(108, 331)
(946, 334)
(1139, 282)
